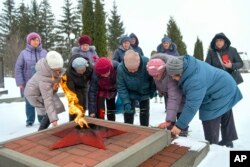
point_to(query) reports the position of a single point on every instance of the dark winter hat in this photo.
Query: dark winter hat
(31, 36)
(80, 63)
(166, 39)
(85, 39)
(175, 65)
(54, 59)
(103, 65)
(156, 66)
(124, 38)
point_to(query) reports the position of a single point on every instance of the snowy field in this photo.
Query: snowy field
(12, 123)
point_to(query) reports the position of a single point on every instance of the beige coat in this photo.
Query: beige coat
(40, 93)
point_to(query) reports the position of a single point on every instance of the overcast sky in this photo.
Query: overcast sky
(202, 18)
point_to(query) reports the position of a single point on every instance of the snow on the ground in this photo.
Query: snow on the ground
(12, 123)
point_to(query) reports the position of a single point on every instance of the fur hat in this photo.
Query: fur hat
(131, 59)
(80, 63)
(166, 39)
(31, 36)
(85, 39)
(54, 59)
(175, 65)
(103, 65)
(156, 66)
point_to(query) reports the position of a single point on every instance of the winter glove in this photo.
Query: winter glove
(128, 108)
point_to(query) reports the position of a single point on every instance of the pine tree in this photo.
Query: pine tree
(100, 31)
(47, 26)
(23, 21)
(198, 49)
(174, 33)
(35, 17)
(67, 26)
(115, 29)
(88, 18)
(7, 17)
(7, 22)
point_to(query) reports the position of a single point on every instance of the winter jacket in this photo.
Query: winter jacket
(231, 52)
(169, 88)
(136, 47)
(119, 53)
(79, 83)
(102, 87)
(210, 90)
(135, 86)
(26, 61)
(90, 54)
(172, 50)
(41, 90)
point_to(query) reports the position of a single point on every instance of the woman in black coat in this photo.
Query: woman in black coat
(78, 74)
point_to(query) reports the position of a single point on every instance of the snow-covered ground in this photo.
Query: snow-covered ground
(12, 123)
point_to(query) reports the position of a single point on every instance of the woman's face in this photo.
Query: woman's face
(85, 47)
(176, 77)
(166, 45)
(106, 75)
(35, 42)
(126, 45)
(219, 43)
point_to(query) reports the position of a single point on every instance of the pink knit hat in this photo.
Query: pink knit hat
(31, 36)
(156, 66)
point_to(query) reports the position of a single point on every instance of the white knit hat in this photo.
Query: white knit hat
(54, 59)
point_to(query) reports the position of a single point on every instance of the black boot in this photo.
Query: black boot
(228, 144)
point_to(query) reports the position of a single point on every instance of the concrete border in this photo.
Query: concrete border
(140, 152)
(9, 158)
(192, 158)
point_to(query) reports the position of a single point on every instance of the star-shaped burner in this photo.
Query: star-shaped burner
(92, 136)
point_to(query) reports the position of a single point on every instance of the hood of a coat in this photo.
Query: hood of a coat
(220, 36)
(43, 69)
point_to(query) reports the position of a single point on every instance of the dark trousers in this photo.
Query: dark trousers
(45, 122)
(226, 123)
(144, 113)
(110, 103)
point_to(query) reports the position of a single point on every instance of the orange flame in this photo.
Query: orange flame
(74, 106)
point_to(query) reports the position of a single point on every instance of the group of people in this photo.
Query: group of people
(187, 85)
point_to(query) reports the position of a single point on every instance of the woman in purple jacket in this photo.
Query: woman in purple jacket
(167, 87)
(25, 68)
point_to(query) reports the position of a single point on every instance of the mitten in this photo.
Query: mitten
(128, 108)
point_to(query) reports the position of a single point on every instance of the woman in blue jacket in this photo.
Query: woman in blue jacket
(210, 90)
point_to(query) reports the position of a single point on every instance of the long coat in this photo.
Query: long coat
(231, 52)
(79, 83)
(210, 90)
(41, 91)
(26, 61)
(135, 86)
(102, 87)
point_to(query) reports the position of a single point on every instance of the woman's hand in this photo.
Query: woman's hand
(176, 131)
(54, 123)
(164, 125)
